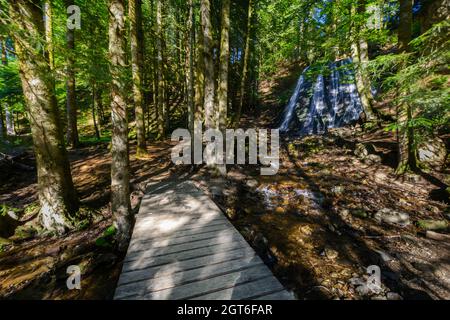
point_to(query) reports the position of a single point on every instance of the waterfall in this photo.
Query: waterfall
(330, 101)
(290, 108)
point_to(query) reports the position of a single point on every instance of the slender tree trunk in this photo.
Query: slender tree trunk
(100, 106)
(9, 114)
(190, 67)
(245, 64)
(136, 36)
(72, 129)
(405, 26)
(407, 158)
(162, 103)
(208, 105)
(120, 175)
(360, 53)
(199, 77)
(48, 23)
(224, 65)
(94, 105)
(4, 106)
(57, 195)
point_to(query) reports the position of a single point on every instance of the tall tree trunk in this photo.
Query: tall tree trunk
(199, 77)
(136, 36)
(208, 105)
(120, 175)
(162, 103)
(405, 26)
(48, 23)
(57, 195)
(94, 106)
(360, 54)
(8, 127)
(72, 129)
(245, 64)
(3, 105)
(222, 95)
(407, 158)
(190, 67)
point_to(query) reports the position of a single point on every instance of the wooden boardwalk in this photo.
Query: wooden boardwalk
(183, 247)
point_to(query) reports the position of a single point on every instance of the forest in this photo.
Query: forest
(359, 90)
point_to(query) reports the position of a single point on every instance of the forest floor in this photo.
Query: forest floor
(331, 211)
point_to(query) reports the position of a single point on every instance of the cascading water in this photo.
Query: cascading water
(331, 101)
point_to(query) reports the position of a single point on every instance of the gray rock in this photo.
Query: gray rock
(432, 152)
(392, 217)
(393, 296)
(361, 151)
(372, 159)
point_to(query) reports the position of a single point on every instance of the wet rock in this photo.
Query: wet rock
(393, 296)
(392, 217)
(433, 225)
(432, 152)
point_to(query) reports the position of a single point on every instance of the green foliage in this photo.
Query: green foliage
(420, 79)
(107, 239)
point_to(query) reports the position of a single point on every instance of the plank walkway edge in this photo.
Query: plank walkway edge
(183, 247)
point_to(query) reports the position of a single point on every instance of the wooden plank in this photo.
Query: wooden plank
(146, 250)
(184, 265)
(183, 247)
(136, 243)
(245, 291)
(182, 223)
(142, 263)
(178, 231)
(175, 280)
(280, 295)
(203, 287)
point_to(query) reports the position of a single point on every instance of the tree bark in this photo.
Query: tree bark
(120, 175)
(405, 26)
(190, 67)
(48, 23)
(360, 54)
(199, 77)
(162, 103)
(3, 130)
(72, 129)
(57, 195)
(407, 158)
(136, 40)
(208, 105)
(222, 95)
(245, 63)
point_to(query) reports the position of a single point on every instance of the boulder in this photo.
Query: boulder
(432, 152)
(392, 217)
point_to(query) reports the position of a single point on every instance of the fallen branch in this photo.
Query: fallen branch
(437, 236)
